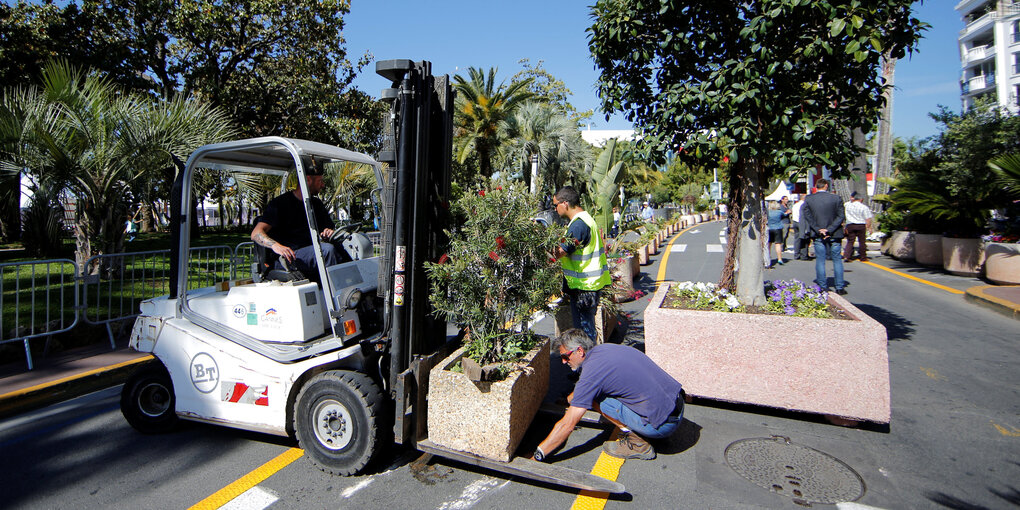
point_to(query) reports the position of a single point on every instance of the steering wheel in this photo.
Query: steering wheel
(341, 233)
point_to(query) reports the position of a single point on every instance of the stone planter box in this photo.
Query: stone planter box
(605, 323)
(928, 249)
(902, 245)
(488, 419)
(962, 257)
(827, 366)
(1002, 263)
(643, 255)
(635, 265)
(622, 272)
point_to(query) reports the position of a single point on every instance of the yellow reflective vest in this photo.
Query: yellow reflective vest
(586, 268)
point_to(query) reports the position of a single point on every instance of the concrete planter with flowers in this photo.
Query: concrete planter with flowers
(833, 367)
(495, 274)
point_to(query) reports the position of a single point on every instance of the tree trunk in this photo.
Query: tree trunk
(750, 284)
(884, 147)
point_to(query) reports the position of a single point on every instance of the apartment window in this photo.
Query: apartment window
(1016, 31)
(1016, 63)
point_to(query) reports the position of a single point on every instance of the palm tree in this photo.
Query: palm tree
(97, 142)
(535, 129)
(481, 107)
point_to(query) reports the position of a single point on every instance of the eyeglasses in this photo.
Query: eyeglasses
(556, 204)
(566, 356)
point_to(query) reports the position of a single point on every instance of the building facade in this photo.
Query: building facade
(990, 52)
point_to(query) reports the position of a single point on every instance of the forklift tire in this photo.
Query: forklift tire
(337, 420)
(147, 400)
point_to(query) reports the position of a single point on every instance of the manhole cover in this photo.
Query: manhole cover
(804, 474)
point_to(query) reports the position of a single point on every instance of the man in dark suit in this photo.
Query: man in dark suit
(823, 214)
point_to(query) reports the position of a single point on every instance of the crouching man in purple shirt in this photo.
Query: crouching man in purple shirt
(625, 386)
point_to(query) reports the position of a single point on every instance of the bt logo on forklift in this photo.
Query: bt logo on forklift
(205, 373)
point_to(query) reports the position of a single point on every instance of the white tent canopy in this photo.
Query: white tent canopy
(780, 192)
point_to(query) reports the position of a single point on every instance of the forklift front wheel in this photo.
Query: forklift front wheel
(337, 420)
(147, 400)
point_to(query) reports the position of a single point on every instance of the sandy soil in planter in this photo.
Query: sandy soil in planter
(488, 419)
(825, 366)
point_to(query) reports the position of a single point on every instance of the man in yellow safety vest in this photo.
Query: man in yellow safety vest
(582, 256)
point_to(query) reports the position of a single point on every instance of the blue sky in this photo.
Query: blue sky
(457, 34)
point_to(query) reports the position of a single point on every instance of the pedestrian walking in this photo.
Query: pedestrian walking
(824, 215)
(784, 205)
(858, 225)
(800, 241)
(776, 230)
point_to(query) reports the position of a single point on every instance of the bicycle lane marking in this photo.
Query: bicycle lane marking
(246, 482)
(912, 277)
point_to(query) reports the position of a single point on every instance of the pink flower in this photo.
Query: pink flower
(444, 259)
(481, 192)
(500, 242)
(493, 255)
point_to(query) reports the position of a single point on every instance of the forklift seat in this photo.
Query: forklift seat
(265, 260)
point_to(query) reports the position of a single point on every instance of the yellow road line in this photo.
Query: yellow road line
(70, 378)
(1006, 432)
(916, 279)
(607, 467)
(224, 495)
(665, 256)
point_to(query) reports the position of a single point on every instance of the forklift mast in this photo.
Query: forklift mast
(417, 149)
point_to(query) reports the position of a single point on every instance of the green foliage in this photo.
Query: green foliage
(497, 271)
(537, 128)
(602, 185)
(1007, 169)
(947, 187)
(84, 135)
(43, 231)
(775, 85)
(706, 296)
(276, 69)
(481, 107)
(549, 90)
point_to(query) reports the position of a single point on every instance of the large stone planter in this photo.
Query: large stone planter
(826, 366)
(928, 249)
(488, 419)
(1002, 263)
(605, 323)
(962, 256)
(902, 245)
(635, 265)
(643, 255)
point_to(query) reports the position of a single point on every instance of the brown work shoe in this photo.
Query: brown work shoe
(865, 259)
(629, 446)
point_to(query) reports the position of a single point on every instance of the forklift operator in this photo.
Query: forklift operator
(285, 217)
(626, 387)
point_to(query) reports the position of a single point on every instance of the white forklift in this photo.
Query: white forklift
(340, 359)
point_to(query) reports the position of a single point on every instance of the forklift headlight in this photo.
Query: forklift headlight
(351, 299)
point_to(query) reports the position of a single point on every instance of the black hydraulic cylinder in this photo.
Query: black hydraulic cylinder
(403, 175)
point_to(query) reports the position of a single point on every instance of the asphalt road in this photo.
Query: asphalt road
(954, 440)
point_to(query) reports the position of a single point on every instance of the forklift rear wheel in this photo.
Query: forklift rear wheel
(147, 400)
(337, 420)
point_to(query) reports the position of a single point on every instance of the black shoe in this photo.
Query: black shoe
(841, 292)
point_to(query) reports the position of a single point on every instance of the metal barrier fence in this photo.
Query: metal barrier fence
(47, 297)
(37, 299)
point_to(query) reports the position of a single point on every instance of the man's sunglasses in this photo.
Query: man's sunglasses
(566, 356)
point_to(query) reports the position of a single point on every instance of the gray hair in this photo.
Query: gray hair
(572, 339)
(773, 206)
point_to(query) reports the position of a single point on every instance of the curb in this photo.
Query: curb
(69, 387)
(979, 296)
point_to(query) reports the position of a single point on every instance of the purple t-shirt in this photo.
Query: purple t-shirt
(628, 375)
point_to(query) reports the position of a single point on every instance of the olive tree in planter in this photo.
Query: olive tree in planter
(496, 273)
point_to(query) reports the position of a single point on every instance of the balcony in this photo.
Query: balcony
(979, 26)
(980, 53)
(977, 84)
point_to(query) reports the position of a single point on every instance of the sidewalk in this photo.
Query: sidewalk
(93, 368)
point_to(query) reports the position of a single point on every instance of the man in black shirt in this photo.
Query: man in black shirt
(292, 239)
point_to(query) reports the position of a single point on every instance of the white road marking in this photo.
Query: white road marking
(722, 240)
(714, 248)
(472, 494)
(679, 248)
(255, 498)
(348, 492)
(695, 231)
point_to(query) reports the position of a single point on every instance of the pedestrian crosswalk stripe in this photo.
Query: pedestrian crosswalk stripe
(722, 240)
(714, 248)
(679, 247)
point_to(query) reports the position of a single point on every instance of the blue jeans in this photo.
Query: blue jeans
(304, 259)
(584, 315)
(618, 411)
(828, 248)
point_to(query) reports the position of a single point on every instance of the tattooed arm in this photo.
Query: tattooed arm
(260, 235)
